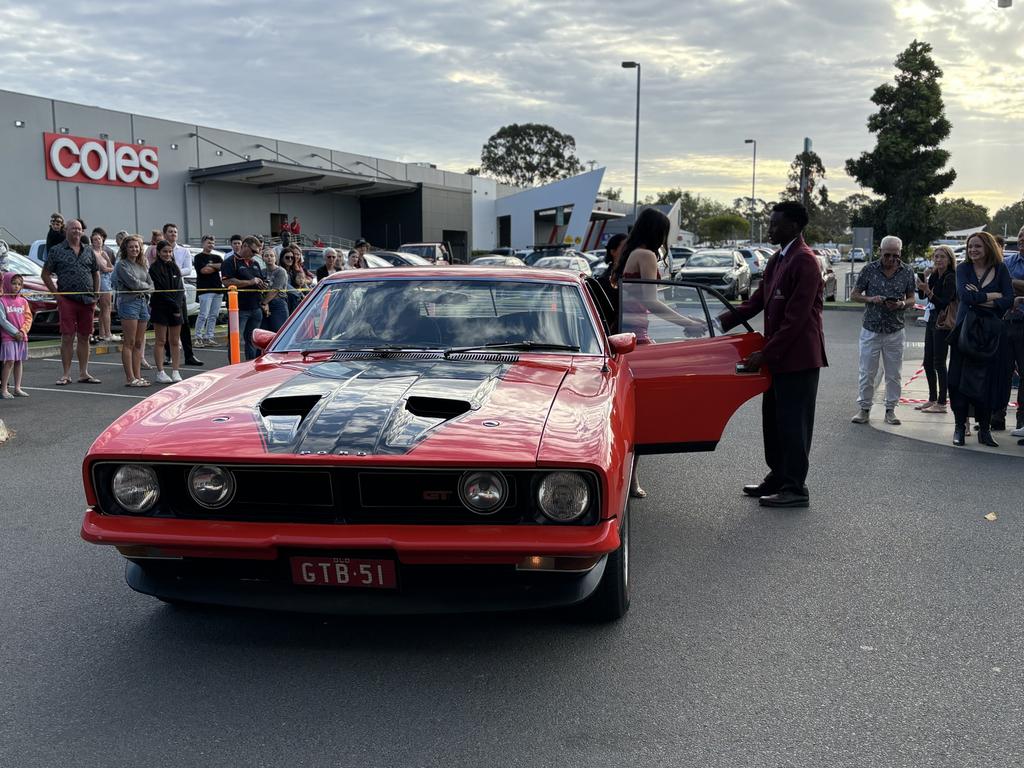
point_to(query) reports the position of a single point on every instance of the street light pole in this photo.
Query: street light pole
(636, 149)
(753, 187)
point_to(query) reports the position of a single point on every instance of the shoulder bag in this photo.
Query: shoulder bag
(947, 317)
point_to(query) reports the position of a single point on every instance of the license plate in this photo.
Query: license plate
(344, 572)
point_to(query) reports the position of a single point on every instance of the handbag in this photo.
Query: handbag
(947, 317)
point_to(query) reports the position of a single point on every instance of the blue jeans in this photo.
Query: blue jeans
(209, 308)
(248, 321)
(278, 314)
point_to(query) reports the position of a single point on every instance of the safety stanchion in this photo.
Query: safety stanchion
(233, 344)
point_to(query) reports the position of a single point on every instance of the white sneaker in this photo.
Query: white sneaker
(1018, 432)
(175, 376)
(163, 378)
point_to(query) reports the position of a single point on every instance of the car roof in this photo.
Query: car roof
(516, 274)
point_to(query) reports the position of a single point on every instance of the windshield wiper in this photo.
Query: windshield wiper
(379, 349)
(525, 344)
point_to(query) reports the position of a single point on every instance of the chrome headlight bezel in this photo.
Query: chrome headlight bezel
(471, 498)
(227, 492)
(146, 474)
(552, 490)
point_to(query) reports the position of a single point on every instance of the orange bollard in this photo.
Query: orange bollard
(234, 349)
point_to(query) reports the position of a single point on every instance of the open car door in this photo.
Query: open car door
(688, 380)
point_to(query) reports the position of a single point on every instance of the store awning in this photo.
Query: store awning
(272, 174)
(595, 215)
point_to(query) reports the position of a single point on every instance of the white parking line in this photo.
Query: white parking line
(84, 392)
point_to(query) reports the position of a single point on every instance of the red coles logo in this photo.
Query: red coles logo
(94, 161)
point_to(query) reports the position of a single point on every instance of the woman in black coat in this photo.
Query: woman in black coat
(985, 289)
(940, 289)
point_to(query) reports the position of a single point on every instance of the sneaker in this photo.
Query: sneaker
(890, 418)
(175, 376)
(862, 417)
(163, 378)
(198, 343)
(935, 408)
(924, 406)
(1018, 432)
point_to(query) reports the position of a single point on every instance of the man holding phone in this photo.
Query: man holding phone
(887, 287)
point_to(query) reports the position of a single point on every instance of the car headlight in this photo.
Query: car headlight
(483, 492)
(211, 487)
(563, 496)
(135, 488)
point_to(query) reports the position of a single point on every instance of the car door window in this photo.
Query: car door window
(650, 308)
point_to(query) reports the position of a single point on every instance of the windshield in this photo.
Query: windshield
(438, 314)
(15, 262)
(710, 260)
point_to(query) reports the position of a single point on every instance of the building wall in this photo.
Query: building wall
(485, 222)
(27, 197)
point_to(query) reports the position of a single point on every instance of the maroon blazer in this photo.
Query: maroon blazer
(790, 295)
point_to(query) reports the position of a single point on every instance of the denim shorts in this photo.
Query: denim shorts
(105, 281)
(133, 307)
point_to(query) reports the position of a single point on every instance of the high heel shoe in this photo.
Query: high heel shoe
(958, 434)
(985, 438)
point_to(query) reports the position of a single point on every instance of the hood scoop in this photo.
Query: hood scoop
(283, 416)
(436, 407)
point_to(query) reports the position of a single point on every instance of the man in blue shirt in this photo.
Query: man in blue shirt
(1014, 321)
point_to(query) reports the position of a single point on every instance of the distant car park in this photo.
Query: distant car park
(573, 262)
(496, 260)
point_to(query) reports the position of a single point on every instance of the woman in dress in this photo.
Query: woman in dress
(165, 309)
(105, 260)
(984, 288)
(639, 261)
(940, 289)
(134, 286)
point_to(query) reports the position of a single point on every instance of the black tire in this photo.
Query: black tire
(610, 601)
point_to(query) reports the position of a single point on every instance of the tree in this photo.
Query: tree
(809, 164)
(472, 171)
(1008, 219)
(762, 214)
(612, 193)
(722, 227)
(529, 154)
(961, 213)
(906, 165)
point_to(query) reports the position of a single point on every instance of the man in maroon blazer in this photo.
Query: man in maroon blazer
(790, 295)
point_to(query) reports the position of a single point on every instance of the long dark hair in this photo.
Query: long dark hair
(650, 232)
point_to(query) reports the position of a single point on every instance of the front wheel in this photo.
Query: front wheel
(610, 600)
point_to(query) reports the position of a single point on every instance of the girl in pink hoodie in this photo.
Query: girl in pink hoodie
(15, 320)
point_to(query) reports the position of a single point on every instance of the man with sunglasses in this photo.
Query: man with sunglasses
(244, 272)
(330, 265)
(55, 234)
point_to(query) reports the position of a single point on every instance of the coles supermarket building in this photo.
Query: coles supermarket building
(126, 171)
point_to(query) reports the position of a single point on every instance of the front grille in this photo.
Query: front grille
(344, 494)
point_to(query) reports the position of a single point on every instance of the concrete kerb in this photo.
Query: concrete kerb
(935, 428)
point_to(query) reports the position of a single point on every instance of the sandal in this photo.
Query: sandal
(89, 380)
(63, 381)
(20, 393)
(146, 365)
(638, 493)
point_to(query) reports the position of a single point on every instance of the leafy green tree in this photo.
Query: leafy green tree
(722, 227)
(472, 171)
(530, 154)
(961, 213)
(809, 163)
(906, 165)
(612, 193)
(1008, 219)
(762, 213)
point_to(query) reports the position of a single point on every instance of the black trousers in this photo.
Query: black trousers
(1015, 341)
(787, 422)
(186, 337)
(936, 348)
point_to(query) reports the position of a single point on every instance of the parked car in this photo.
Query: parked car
(435, 253)
(857, 254)
(573, 262)
(677, 256)
(531, 255)
(401, 259)
(503, 251)
(755, 260)
(462, 438)
(497, 261)
(721, 269)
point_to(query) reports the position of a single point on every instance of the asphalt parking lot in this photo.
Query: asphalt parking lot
(880, 627)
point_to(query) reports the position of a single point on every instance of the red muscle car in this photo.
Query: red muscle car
(439, 439)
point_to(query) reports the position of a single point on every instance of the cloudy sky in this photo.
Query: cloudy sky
(430, 80)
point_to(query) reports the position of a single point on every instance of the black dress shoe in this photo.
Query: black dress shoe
(759, 490)
(193, 361)
(985, 438)
(785, 499)
(958, 435)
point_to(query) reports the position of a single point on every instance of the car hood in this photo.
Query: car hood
(704, 271)
(488, 410)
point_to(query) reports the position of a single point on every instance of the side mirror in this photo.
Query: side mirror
(261, 339)
(622, 343)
